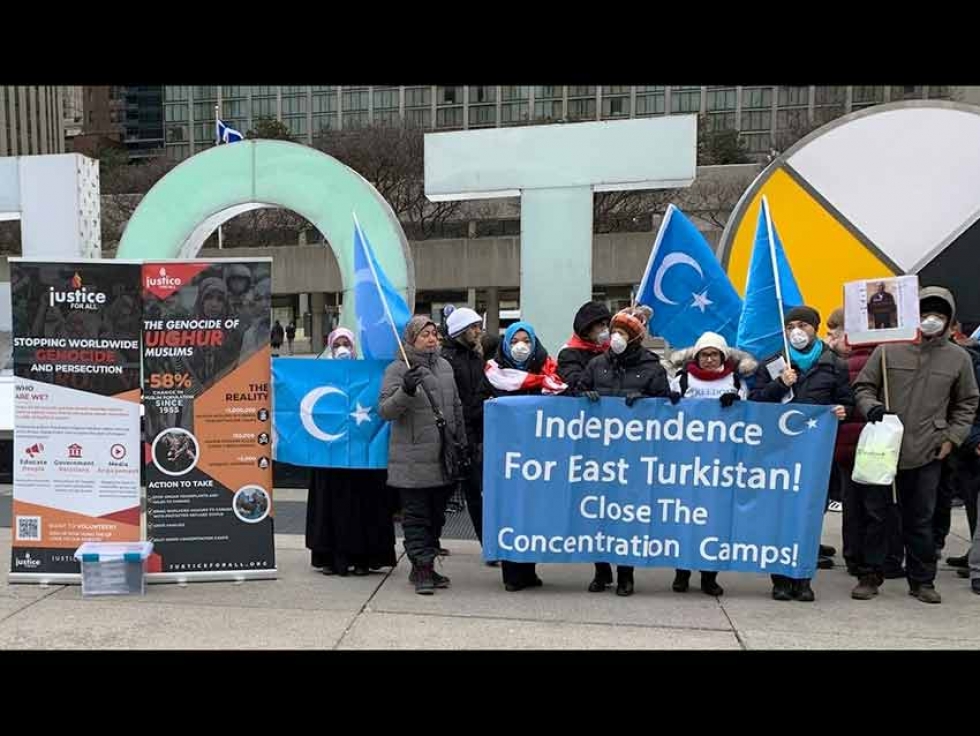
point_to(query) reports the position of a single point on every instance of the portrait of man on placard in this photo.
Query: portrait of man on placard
(882, 307)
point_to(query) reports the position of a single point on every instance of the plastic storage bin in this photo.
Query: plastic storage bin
(113, 568)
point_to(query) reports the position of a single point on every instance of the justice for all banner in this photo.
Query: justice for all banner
(207, 400)
(76, 340)
(694, 486)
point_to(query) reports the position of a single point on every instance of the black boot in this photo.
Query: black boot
(803, 592)
(421, 575)
(782, 588)
(682, 579)
(958, 561)
(624, 581)
(709, 584)
(602, 579)
(439, 581)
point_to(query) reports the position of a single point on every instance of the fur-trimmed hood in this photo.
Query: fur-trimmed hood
(744, 363)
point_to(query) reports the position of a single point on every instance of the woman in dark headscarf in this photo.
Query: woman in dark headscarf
(349, 511)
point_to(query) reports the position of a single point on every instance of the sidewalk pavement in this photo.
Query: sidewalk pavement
(306, 610)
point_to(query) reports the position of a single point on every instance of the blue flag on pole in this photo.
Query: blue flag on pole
(326, 413)
(760, 329)
(228, 134)
(684, 283)
(377, 302)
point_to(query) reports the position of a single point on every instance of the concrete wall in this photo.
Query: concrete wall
(296, 269)
(617, 259)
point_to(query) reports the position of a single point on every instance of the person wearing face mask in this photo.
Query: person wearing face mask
(845, 450)
(933, 390)
(339, 345)
(957, 475)
(521, 367)
(464, 351)
(415, 464)
(965, 462)
(349, 511)
(631, 371)
(709, 370)
(815, 375)
(589, 339)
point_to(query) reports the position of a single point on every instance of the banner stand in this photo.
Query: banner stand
(238, 576)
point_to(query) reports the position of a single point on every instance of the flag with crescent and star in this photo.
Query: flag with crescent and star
(770, 291)
(686, 286)
(325, 413)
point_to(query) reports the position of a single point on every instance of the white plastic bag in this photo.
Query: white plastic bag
(878, 447)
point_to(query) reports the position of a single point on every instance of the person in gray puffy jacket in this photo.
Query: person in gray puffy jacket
(415, 465)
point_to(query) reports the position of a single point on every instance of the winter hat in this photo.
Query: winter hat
(460, 319)
(415, 325)
(633, 320)
(712, 340)
(589, 314)
(937, 305)
(803, 314)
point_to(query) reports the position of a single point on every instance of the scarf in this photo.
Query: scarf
(807, 360)
(515, 379)
(693, 369)
(577, 343)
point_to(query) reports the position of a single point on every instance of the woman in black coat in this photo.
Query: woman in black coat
(816, 375)
(629, 370)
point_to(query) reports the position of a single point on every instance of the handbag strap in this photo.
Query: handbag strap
(440, 417)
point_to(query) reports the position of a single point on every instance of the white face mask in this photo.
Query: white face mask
(798, 338)
(932, 325)
(617, 343)
(602, 338)
(342, 352)
(520, 352)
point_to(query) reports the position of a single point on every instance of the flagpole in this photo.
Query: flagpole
(653, 253)
(775, 276)
(217, 118)
(381, 295)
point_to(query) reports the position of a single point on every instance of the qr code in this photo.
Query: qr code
(29, 528)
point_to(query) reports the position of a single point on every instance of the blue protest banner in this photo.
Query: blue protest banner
(325, 413)
(693, 486)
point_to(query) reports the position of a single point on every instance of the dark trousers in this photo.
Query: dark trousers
(603, 571)
(960, 478)
(518, 573)
(785, 581)
(707, 576)
(473, 490)
(917, 489)
(855, 523)
(423, 516)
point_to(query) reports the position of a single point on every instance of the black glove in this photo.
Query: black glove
(466, 459)
(591, 395)
(728, 399)
(412, 379)
(674, 397)
(876, 414)
(632, 396)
